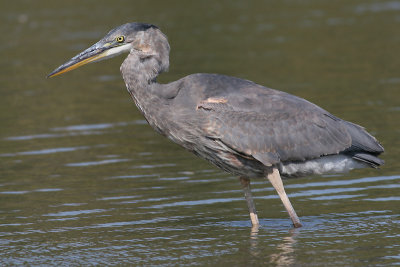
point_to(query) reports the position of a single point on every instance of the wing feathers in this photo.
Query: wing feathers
(276, 136)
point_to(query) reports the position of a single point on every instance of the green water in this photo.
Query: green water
(85, 181)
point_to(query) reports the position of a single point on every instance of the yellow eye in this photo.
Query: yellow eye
(120, 39)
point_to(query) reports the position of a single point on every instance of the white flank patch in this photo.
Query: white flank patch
(327, 164)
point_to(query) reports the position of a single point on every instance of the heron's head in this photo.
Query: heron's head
(144, 40)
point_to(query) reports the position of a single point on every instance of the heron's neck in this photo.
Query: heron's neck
(140, 77)
(150, 97)
(139, 74)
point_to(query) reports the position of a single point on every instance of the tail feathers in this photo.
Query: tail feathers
(362, 141)
(369, 159)
(364, 147)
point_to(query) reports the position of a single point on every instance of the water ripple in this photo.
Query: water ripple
(75, 130)
(174, 178)
(94, 163)
(154, 166)
(383, 199)
(194, 202)
(133, 176)
(45, 151)
(117, 198)
(378, 7)
(336, 197)
(345, 182)
(26, 191)
(120, 224)
(74, 212)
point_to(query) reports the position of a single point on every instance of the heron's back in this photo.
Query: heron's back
(246, 121)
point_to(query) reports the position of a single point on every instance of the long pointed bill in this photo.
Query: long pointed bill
(94, 53)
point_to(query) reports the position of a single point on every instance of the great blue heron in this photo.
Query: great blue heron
(242, 127)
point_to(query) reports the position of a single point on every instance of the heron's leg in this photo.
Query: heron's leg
(249, 198)
(276, 181)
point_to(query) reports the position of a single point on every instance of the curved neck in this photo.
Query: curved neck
(149, 56)
(140, 70)
(140, 78)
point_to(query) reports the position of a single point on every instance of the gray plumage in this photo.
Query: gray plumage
(241, 127)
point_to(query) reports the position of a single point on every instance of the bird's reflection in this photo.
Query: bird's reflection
(254, 240)
(285, 254)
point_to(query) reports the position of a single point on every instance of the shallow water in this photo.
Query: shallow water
(84, 179)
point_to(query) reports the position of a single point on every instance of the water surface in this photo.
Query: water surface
(84, 179)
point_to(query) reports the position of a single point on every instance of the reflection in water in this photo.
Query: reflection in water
(285, 255)
(254, 251)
